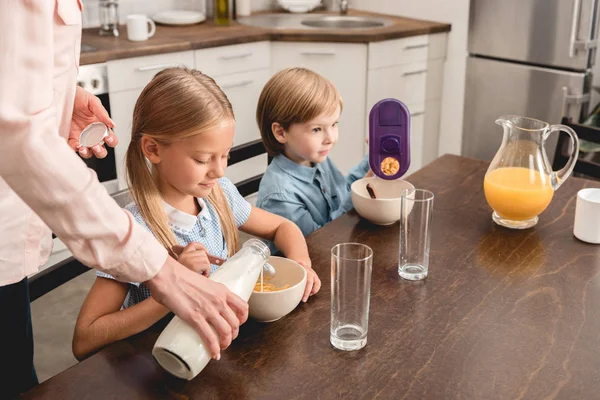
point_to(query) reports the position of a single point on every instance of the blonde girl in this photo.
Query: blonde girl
(182, 132)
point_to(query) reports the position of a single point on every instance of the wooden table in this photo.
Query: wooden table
(503, 315)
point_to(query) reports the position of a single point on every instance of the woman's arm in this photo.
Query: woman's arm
(102, 322)
(288, 238)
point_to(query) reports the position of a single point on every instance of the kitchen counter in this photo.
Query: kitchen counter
(170, 39)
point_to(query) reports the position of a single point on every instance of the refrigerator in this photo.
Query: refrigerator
(531, 58)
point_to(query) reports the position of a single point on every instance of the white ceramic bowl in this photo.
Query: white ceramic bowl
(385, 209)
(299, 6)
(270, 306)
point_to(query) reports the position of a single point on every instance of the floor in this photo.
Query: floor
(54, 317)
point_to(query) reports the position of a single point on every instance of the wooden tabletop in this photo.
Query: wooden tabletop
(503, 315)
(170, 39)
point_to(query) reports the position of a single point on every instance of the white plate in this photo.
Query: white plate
(178, 17)
(299, 6)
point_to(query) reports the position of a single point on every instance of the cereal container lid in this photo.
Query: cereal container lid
(389, 129)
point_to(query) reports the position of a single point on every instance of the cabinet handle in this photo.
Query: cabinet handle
(154, 67)
(318, 53)
(236, 84)
(421, 71)
(416, 46)
(417, 114)
(235, 56)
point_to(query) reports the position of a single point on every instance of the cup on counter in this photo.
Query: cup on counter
(351, 265)
(587, 216)
(140, 27)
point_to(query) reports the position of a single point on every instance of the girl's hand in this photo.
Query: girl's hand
(313, 283)
(193, 256)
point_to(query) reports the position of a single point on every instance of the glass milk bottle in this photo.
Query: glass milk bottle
(179, 349)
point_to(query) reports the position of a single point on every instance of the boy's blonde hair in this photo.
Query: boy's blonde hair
(291, 96)
(176, 104)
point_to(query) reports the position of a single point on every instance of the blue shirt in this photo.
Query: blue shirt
(204, 228)
(308, 196)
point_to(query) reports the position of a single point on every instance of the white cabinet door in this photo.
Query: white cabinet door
(225, 60)
(134, 73)
(431, 132)
(406, 82)
(243, 90)
(344, 64)
(121, 110)
(417, 138)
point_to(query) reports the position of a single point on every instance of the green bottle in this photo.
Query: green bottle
(222, 12)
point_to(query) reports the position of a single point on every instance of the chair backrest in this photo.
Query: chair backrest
(588, 162)
(242, 153)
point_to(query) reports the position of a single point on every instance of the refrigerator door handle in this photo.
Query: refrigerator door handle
(575, 44)
(569, 99)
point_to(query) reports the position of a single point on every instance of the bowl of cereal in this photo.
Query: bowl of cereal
(278, 296)
(384, 209)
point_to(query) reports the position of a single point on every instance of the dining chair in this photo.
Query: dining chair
(244, 152)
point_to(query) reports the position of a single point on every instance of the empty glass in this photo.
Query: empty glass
(415, 233)
(351, 265)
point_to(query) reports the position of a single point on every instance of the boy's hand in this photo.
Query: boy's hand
(313, 283)
(193, 256)
(369, 174)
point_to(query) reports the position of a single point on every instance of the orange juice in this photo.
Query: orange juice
(516, 193)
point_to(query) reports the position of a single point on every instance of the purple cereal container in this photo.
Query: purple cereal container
(389, 129)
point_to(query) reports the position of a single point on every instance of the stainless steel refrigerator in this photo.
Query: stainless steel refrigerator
(526, 57)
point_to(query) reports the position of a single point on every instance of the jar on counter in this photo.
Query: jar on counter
(109, 18)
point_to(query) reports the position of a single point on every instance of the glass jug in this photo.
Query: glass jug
(179, 349)
(520, 183)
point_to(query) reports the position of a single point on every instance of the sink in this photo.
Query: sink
(315, 21)
(344, 22)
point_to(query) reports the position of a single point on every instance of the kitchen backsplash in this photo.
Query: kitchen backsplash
(150, 7)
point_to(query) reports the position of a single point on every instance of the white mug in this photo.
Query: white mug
(587, 216)
(137, 27)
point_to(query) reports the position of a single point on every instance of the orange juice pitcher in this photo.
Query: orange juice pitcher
(520, 182)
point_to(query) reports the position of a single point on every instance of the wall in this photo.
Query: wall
(150, 7)
(455, 12)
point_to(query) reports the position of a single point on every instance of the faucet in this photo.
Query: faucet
(343, 6)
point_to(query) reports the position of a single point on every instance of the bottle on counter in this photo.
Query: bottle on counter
(179, 349)
(222, 12)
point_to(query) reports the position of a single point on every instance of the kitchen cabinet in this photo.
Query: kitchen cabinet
(411, 70)
(345, 65)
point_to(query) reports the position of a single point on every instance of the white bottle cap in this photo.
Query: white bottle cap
(93, 134)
